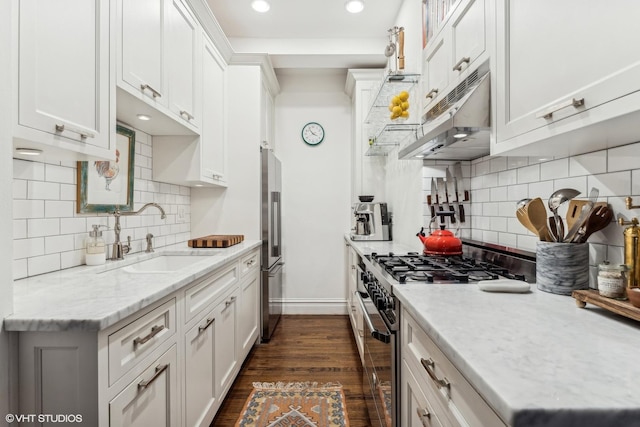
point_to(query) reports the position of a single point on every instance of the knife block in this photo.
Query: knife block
(562, 268)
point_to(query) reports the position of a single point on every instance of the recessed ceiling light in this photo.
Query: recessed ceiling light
(419, 156)
(198, 185)
(28, 151)
(143, 117)
(354, 6)
(260, 5)
(460, 135)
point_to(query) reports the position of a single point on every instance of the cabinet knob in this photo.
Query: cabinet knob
(548, 114)
(431, 94)
(154, 92)
(463, 60)
(186, 114)
(424, 415)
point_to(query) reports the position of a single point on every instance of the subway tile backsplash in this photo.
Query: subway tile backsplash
(49, 235)
(497, 183)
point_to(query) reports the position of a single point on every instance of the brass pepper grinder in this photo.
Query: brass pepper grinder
(631, 247)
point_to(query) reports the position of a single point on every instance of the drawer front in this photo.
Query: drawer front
(208, 290)
(250, 263)
(152, 398)
(433, 369)
(130, 344)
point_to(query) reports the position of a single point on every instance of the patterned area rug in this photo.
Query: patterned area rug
(295, 405)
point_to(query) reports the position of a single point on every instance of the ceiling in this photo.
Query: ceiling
(309, 33)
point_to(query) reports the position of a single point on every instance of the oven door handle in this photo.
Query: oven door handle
(379, 335)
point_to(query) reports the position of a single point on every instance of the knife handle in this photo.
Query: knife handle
(461, 212)
(453, 214)
(433, 212)
(466, 196)
(429, 200)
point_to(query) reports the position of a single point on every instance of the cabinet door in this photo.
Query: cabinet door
(151, 399)
(226, 348)
(436, 71)
(415, 409)
(63, 69)
(582, 57)
(142, 48)
(200, 398)
(213, 140)
(248, 313)
(468, 35)
(182, 49)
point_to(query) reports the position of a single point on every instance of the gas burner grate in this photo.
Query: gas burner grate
(415, 267)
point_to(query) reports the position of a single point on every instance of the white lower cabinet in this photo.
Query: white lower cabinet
(415, 409)
(200, 397)
(436, 386)
(170, 364)
(152, 399)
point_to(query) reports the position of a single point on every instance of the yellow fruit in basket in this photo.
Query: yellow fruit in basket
(405, 105)
(404, 114)
(394, 116)
(397, 110)
(391, 107)
(404, 95)
(396, 100)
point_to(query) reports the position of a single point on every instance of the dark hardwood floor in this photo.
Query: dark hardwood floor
(303, 348)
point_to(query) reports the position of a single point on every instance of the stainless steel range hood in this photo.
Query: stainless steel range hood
(458, 127)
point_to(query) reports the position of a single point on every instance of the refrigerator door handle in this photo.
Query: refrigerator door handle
(275, 223)
(276, 269)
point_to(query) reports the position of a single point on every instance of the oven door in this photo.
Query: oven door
(377, 378)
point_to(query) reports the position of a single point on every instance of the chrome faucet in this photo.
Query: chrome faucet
(119, 249)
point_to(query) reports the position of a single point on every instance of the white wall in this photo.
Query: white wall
(315, 190)
(6, 284)
(236, 209)
(49, 235)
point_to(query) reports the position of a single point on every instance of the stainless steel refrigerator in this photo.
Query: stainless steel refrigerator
(271, 265)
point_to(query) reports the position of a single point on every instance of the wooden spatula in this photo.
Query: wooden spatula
(537, 214)
(575, 207)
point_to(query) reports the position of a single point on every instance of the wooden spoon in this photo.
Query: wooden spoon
(537, 213)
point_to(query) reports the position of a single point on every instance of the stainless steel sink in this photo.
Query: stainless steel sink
(165, 264)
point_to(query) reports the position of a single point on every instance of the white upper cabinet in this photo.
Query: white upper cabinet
(64, 85)
(199, 160)
(183, 58)
(214, 131)
(158, 49)
(458, 48)
(141, 48)
(567, 74)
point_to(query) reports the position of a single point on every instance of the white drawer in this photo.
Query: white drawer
(250, 263)
(433, 369)
(207, 290)
(130, 344)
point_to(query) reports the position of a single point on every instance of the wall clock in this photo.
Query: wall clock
(312, 133)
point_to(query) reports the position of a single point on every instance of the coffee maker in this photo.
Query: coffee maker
(371, 221)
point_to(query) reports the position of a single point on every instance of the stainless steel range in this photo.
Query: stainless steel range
(382, 310)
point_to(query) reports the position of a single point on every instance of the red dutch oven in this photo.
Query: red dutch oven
(440, 242)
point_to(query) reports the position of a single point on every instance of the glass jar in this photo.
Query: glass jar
(611, 280)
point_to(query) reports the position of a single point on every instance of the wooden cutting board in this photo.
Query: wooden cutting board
(216, 241)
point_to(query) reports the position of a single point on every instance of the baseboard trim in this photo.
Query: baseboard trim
(314, 306)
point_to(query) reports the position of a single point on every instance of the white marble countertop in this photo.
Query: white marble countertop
(94, 298)
(536, 358)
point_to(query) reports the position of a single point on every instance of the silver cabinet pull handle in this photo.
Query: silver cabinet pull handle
(184, 113)
(154, 92)
(424, 416)
(548, 114)
(432, 93)
(83, 134)
(228, 303)
(154, 331)
(464, 60)
(146, 383)
(428, 365)
(251, 262)
(203, 328)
